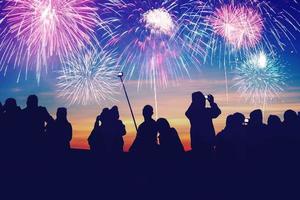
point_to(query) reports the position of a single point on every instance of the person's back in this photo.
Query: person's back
(202, 129)
(146, 138)
(60, 132)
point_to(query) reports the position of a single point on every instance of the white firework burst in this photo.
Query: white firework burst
(89, 77)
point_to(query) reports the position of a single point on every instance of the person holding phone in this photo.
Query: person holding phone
(202, 130)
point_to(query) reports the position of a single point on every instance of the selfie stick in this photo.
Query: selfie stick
(120, 75)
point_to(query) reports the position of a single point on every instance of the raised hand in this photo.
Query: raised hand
(210, 98)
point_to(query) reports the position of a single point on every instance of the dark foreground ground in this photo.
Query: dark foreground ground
(81, 175)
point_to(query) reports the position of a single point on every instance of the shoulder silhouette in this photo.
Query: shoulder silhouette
(146, 138)
(169, 141)
(59, 132)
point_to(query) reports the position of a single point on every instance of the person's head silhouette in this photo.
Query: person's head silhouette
(32, 101)
(274, 120)
(147, 112)
(163, 124)
(115, 113)
(61, 114)
(198, 98)
(238, 119)
(10, 104)
(229, 121)
(104, 115)
(256, 117)
(290, 116)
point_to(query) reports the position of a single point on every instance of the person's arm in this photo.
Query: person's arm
(215, 111)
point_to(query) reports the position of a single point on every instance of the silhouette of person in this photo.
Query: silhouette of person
(291, 128)
(274, 126)
(116, 132)
(169, 141)
(59, 132)
(35, 119)
(290, 121)
(11, 134)
(256, 135)
(230, 142)
(224, 139)
(96, 139)
(202, 131)
(275, 136)
(146, 138)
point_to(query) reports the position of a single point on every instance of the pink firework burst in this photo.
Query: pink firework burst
(36, 30)
(240, 26)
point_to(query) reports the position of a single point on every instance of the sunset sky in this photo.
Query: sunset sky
(173, 101)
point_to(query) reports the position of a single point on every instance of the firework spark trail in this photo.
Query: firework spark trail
(260, 78)
(89, 77)
(147, 32)
(36, 31)
(279, 24)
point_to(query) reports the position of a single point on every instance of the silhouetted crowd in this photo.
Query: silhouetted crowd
(246, 160)
(33, 131)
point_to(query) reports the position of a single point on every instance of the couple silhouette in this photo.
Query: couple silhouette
(107, 135)
(156, 137)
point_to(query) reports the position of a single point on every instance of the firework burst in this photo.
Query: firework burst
(251, 24)
(232, 29)
(88, 77)
(238, 25)
(147, 32)
(260, 78)
(35, 31)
